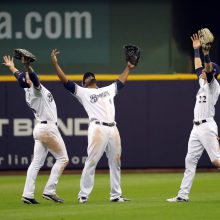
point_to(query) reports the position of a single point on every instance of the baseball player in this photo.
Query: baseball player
(46, 134)
(103, 135)
(204, 134)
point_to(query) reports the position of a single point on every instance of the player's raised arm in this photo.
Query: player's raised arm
(8, 61)
(60, 72)
(196, 45)
(32, 75)
(208, 66)
(124, 75)
(69, 85)
(207, 61)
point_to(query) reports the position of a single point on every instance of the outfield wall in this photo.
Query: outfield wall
(154, 119)
(154, 116)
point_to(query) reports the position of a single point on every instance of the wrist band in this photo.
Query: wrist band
(196, 53)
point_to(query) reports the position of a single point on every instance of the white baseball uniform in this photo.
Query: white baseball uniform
(103, 136)
(204, 133)
(47, 139)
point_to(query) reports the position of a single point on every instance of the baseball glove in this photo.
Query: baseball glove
(18, 53)
(132, 53)
(206, 38)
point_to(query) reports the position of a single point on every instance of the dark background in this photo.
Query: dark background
(162, 30)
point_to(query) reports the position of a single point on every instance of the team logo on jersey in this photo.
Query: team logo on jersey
(94, 98)
(50, 97)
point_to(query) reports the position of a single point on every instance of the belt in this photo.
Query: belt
(105, 123)
(199, 122)
(48, 122)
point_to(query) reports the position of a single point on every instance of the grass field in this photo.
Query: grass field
(147, 192)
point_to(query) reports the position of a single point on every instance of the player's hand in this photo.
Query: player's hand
(54, 54)
(8, 61)
(195, 41)
(130, 66)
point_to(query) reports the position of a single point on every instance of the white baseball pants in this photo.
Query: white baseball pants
(47, 139)
(102, 138)
(203, 136)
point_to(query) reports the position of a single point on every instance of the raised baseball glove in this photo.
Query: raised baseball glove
(18, 53)
(132, 53)
(206, 38)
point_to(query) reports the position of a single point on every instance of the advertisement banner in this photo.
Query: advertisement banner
(154, 119)
(82, 29)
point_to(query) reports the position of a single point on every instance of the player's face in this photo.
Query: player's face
(24, 60)
(89, 81)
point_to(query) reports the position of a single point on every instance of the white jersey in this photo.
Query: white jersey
(206, 99)
(41, 103)
(98, 102)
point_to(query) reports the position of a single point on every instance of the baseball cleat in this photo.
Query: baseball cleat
(82, 200)
(29, 201)
(54, 198)
(177, 199)
(120, 199)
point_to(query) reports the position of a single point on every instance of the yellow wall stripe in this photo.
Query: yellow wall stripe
(108, 77)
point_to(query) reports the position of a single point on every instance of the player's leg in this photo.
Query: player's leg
(113, 152)
(195, 150)
(97, 141)
(40, 153)
(209, 139)
(57, 148)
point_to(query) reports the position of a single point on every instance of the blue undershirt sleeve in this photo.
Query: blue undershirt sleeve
(70, 86)
(34, 78)
(119, 84)
(199, 71)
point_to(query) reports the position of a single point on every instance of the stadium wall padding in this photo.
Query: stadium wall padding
(154, 120)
